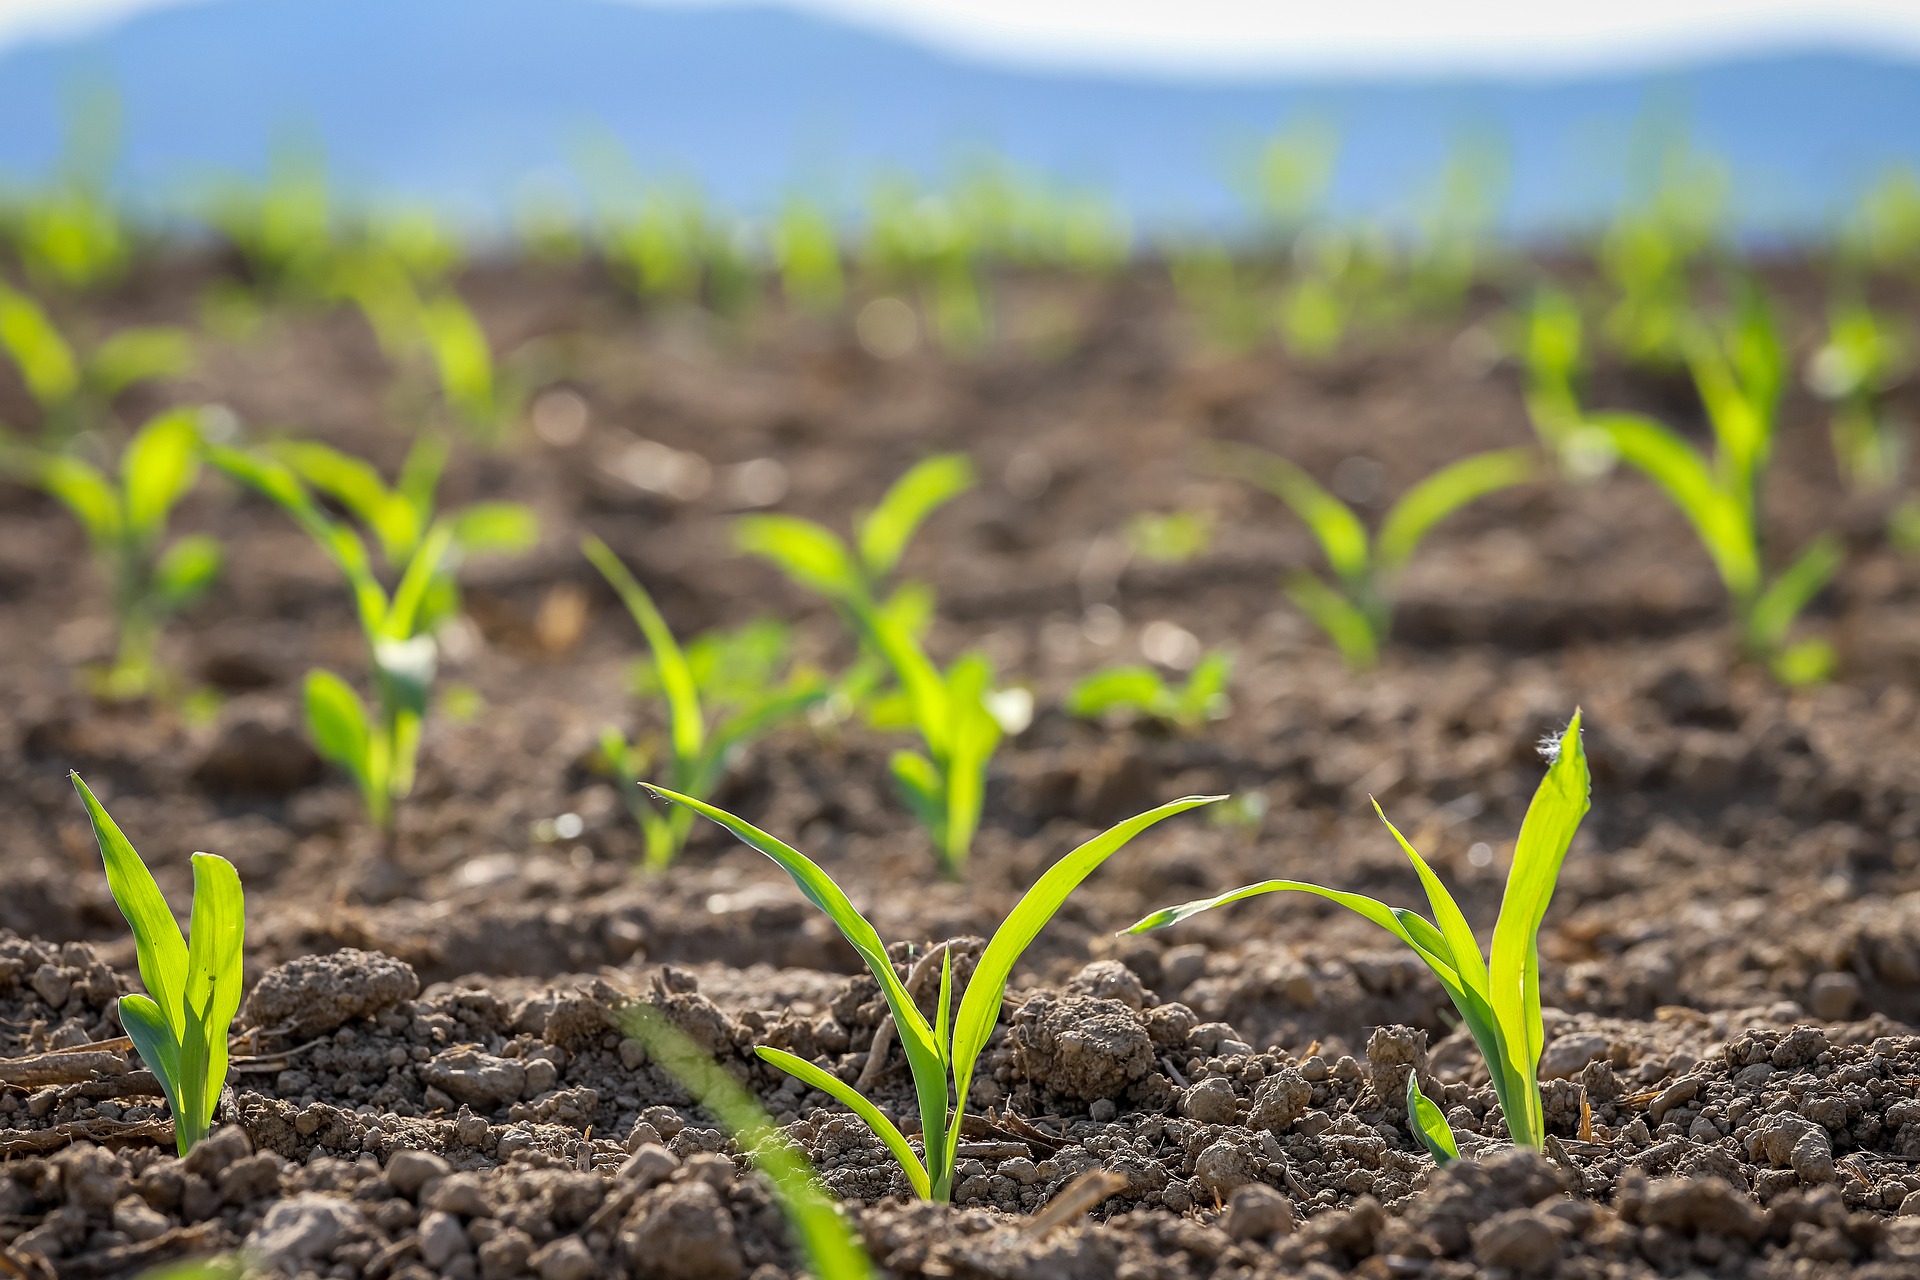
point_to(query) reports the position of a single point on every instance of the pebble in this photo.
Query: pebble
(1256, 1212)
(409, 1171)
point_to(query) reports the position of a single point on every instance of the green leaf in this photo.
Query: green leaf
(278, 483)
(214, 943)
(688, 722)
(757, 720)
(420, 473)
(1429, 1124)
(980, 1006)
(1778, 606)
(496, 526)
(355, 484)
(818, 887)
(973, 735)
(1341, 535)
(806, 552)
(158, 468)
(930, 484)
(1809, 662)
(147, 1027)
(1457, 946)
(403, 616)
(1720, 519)
(140, 354)
(187, 569)
(1126, 688)
(1345, 623)
(839, 1090)
(45, 361)
(81, 489)
(1443, 493)
(1514, 980)
(1205, 695)
(337, 719)
(920, 785)
(158, 945)
(461, 355)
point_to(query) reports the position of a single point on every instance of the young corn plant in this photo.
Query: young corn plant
(193, 982)
(379, 749)
(73, 388)
(697, 749)
(125, 518)
(1498, 994)
(1552, 347)
(1739, 374)
(958, 714)
(941, 1054)
(832, 1250)
(1356, 609)
(1862, 357)
(1144, 693)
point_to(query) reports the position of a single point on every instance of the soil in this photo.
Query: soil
(427, 1080)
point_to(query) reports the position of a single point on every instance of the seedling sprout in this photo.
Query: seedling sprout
(949, 1048)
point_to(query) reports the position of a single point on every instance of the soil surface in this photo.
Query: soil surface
(427, 1080)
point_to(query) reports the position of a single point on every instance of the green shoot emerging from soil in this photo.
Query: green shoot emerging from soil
(1552, 344)
(1144, 692)
(1430, 1124)
(72, 390)
(954, 711)
(193, 982)
(379, 750)
(832, 1250)
(126, 524)
(950, 1046)
(1862, 357)
(1356, 609)
(1498, 997)
(1739, 373)
(697, 751)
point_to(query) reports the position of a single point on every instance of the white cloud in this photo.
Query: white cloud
(1515, 36)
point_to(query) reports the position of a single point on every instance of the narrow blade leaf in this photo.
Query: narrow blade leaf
(1443, 493)
(834, 1087)
(930, 484)
(670, 663)
(162, 952)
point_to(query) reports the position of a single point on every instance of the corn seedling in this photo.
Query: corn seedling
(947, 1049)
(1552, 346)
(806, 250)
(1498, 995)
(957, 713)
(1356, 609)
(698, 750)
(73, 387)
(284, 229)
(1862, 357)
(193, 982)
(1143, 692)
(832, 1250)
(1171, 537)
(925, 242)
(423, 551)
(1429, 1124)
(68, 234)
(1649, 252)
(1739, 374)
(126, 523)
